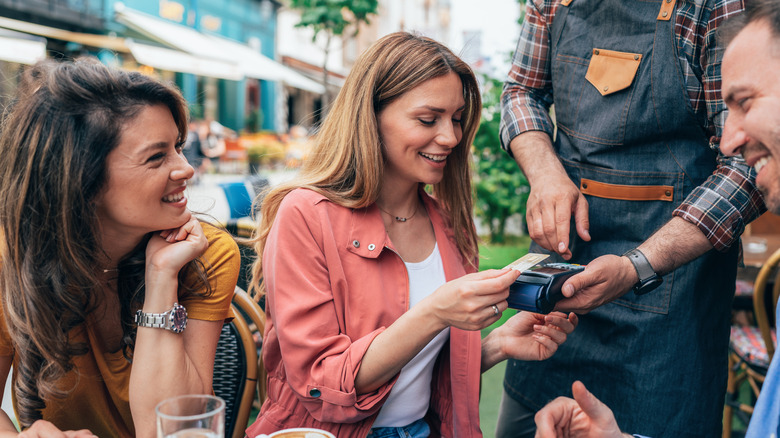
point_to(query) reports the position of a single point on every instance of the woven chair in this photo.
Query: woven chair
(237, 368)
(255, 315)
(751, 347)
(241, 230)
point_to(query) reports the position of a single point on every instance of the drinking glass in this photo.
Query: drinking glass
(191, 416)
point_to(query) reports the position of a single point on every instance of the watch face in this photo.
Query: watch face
(178, 318)
(648, 285)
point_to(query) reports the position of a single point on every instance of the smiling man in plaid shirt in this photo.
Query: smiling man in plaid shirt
(633, 169)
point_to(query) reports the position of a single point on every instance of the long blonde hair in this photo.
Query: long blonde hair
(347, 162)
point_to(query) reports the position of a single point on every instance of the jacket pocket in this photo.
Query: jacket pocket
(611, 71)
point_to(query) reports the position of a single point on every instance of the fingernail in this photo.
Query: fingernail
(561, 247)
(537, 327)
(568, 290)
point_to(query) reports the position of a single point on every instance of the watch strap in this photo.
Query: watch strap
(643, 268)
(174, 320)
(153, 320)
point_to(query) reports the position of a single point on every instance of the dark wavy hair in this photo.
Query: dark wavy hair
(65, 120)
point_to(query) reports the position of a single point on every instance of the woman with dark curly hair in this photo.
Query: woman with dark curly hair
(113, 294)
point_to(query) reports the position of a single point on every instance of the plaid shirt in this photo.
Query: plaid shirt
(729, 199)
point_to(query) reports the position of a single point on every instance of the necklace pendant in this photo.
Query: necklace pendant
(400, 219)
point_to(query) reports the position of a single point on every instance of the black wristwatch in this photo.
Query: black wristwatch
(648, 279)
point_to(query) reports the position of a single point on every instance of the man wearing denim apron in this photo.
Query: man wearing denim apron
(635, 87)
(751, 91)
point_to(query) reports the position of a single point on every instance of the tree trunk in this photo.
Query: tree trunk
(502, 229)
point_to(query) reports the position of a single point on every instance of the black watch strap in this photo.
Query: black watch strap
(648, 278)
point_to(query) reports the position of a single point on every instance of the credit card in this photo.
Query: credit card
(527, 261)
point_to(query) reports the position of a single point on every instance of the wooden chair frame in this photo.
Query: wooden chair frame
(741, 372)
(248, 318)
(257, 318)
(242, 230)
(759, 302)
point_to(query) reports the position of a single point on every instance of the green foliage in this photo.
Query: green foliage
(500, 186)
(263, 149)
(496, 256)
(334, 16)
(253, 120)
(522, 11)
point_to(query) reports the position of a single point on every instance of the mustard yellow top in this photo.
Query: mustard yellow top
(99, 400)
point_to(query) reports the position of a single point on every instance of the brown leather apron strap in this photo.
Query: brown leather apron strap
(626, 192)
(667, 10)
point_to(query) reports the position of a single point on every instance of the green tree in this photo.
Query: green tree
(500, 186)
(334, 18)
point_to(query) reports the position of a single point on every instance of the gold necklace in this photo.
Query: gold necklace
(399, 218)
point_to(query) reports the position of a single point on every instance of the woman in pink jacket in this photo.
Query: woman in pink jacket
(374, 307)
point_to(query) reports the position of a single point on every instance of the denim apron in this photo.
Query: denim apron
(628, 137)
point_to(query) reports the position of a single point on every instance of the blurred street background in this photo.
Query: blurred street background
(259, 75)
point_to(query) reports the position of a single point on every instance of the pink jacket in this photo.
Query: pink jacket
(334, 283)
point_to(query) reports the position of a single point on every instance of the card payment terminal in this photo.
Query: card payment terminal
(539, 288)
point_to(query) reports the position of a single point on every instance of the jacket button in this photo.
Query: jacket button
(371, 246)
(314, 392)
(595, 52)
(584, 185)
(665, 14)
(356, 244)
(668, 193)
(636, 57)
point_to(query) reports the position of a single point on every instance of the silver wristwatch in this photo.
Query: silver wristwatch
(174, 320)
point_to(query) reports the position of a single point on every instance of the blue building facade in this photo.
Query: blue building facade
(244, 104)
(239, 101)
(221, 53)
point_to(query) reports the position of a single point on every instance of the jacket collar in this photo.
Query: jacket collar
(367, 235)
(368, 238)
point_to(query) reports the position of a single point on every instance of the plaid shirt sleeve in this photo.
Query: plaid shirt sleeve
(729, 199)
(528, 93)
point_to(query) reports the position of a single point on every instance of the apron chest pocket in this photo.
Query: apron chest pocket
(610, 71)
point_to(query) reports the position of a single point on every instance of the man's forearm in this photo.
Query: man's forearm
(534, 153)
(673, 245)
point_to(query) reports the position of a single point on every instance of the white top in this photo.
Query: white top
(408, 400)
